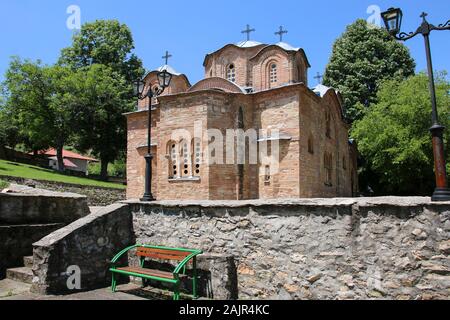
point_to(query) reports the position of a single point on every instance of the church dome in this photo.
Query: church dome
(287, 46)
(248, 44)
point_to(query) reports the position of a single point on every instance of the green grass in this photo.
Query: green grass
(19, 170)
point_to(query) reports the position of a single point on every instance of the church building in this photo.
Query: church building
(248, 85)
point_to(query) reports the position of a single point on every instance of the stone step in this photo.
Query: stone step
(28, 261)
(22, 274)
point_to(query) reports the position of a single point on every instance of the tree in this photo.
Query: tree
(37, 98)
(9, 132)
(104, 42)
(362, 58)
(394, 138)
(100, 97)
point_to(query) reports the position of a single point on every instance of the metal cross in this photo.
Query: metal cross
(248, 31)
(319, 77)
(281, 32)
(424, 15)
(167, 56)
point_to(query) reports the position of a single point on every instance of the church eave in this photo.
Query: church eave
(205, 62)
(274, 46)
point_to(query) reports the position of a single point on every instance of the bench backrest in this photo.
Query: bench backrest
(162, 254)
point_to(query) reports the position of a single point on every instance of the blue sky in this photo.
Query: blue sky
(190, 29)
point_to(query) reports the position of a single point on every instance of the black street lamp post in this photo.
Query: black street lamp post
(164, 79)
(393, 20)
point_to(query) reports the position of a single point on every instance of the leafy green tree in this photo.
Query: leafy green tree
(104, 42)
(394, 138)
(362, 58)
(9, 132)
(100, 96)
(37, 98)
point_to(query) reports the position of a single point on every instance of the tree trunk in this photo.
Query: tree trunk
(2, 152)
(104, 169)
(60, 158)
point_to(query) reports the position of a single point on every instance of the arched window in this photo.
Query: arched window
(273, 73)
(328, 124)
(310, 145)
(231, 73)
(328, 165)
(196, 156)
(173, 159)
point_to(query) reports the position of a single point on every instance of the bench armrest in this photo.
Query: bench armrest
(121, 253)
(185, 261)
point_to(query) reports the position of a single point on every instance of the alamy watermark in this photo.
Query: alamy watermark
(227, 147)
(374, 19)
(73, 22)
(74, 277)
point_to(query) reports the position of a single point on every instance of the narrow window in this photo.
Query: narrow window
(173, 160)
(231, 73)
(267, 175)
(311, 145)
(328, 124)
(328, 164)
(196, 156)
(344, 163)
(185, 159)
(273, 73)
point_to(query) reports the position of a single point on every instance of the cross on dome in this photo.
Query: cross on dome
(319, 77)
(248, 30)
(166, 57)
(281, 32)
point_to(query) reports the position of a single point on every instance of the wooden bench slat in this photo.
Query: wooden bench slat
(162, 254)
(165, 251)
(149, 272)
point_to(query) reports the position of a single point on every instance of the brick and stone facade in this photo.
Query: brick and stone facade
(255, 88)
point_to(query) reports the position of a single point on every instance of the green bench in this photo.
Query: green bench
(184, 256)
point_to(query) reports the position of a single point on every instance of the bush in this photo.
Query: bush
(116, 169)
(3, 184)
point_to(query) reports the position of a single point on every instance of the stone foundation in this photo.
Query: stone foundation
(364, 248)
(389, 248)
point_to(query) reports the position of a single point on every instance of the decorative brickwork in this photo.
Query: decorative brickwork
(268, 94)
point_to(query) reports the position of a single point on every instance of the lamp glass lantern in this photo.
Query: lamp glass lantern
(164, 79)
(393, 20)
(139, 87)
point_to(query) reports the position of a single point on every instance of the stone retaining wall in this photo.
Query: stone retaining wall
(365, 248)
(97, 196)
(26, 217)
(388, 248)
(19, 209)
(16, 242)
(89, 244)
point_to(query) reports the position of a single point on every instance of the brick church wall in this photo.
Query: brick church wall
(279, 110)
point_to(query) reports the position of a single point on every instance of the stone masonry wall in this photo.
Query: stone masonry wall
(21, 209)
(89, 243)
(365, 248)
(96, 196)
